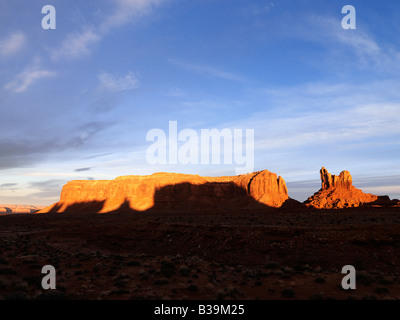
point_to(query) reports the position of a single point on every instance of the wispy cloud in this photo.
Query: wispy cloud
(114, 83)
(353, 125)
(46, 185)
(208, 71)
(357, 48)
(360, 44)
(391, 191)
(99, 155)
(85, 132)
(80, 43)
(8, 186)
(83, 169)
(19, 153)
(28, 77)
(316, 97)
(126, 10)
(47, 189)
(76, 45)
(12, 44)
(327, 116)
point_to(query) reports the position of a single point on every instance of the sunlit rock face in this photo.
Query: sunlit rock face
(338, 192)
(172, 191)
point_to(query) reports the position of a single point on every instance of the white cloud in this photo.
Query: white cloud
(137, 6)
(319, 116)
(79, 44)
(360, 43)
(357, 48)
(352, 124)
(316, 97)
(113, 83)
(125, 10)
(76, 45)
(383, 190)
(27, 78)
(12, 44)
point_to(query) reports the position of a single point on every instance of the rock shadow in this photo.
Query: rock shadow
(210, 196)
(86, 206)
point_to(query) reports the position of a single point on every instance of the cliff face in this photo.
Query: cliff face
(338, 192)
(172, 191)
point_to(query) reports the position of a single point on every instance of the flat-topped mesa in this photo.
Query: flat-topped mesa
(161, 191)
(338, 192)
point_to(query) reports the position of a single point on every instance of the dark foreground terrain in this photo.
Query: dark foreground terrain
(273, 254)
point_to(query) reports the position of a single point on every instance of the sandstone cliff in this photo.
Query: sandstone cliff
(172, 191)
(338, 192)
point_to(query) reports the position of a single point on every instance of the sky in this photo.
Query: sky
(78, 101)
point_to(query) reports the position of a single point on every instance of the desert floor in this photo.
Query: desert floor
(273, 254)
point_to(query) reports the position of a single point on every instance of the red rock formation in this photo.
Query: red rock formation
(338, 192)
(172, 191)
(343, 181)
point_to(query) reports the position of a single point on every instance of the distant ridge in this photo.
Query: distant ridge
(16, 208)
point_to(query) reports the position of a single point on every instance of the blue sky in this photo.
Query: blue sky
(77, 102)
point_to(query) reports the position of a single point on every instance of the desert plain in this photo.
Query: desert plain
(192, 249)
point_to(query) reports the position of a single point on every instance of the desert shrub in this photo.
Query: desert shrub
(16, 296)
(167, 268)
(119, 292)
(381, 290)
(288, 293)
(160, 282)
(33, 280)
(193, 288)
(272, 265)
(7, 271)
(184, 271)
(364, 279)
(133, 263)
(319, 280)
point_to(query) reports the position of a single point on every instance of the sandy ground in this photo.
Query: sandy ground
(267, 255)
